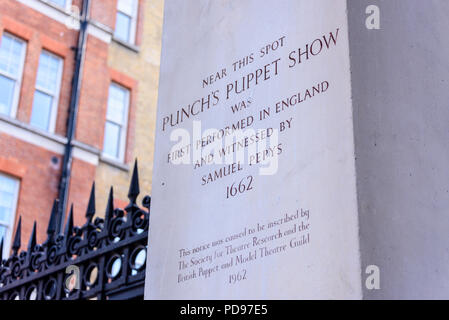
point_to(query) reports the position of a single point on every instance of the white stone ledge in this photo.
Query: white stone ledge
(114, 163)
(127, 45)
(48, 141)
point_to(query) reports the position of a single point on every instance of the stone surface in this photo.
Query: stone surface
(400, 96)
(291, 234)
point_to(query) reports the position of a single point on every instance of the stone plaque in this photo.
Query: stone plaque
(254, 179)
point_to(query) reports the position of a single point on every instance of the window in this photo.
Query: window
(126, 20)
(46, 95)
(116, 122)
(12, 58)
(9, 190)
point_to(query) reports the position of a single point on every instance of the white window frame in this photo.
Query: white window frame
(134, 17)
(55, 102)
(12, 219)
(124, 126)
(18, 84)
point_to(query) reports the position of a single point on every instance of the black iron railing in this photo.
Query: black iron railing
(103, 259)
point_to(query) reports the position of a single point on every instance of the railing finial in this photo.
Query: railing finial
(110, 206)
(90, 212)
(134, 188)
(32, 242)
(1, 252)
(51, 229)
(17, 238)
(69, 225)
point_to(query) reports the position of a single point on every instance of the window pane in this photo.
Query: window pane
(7, 184)
(8, 193)
(47, 85)
(40, 116)
(60, 3)
(111, 139)
(116, 117)
(48, 72)
(6, 94)
(122, 26)
(4, 215)
(117, 102)
(126, 6)
(11, 55)
(6, 200)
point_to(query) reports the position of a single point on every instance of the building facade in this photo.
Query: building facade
(105, 87)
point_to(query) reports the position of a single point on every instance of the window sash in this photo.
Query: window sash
(133, 23)
(117, 143)
(4, 224)
(7, 91)
(56, 2)
(126, 6)
(16, 78)
(39, 109)
(46, 61)
(115, 122)
(118, 33)
(126, 14)
(121, 143)
(45, 90)
(8, 225)
(123, 106)
(9, 75)
(50, 125)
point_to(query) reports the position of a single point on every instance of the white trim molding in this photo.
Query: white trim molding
(47, 141)
(32, 135)
(67, 16)
(86, 153)
(114, 163)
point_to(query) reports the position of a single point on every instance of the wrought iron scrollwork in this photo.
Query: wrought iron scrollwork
(106, 256)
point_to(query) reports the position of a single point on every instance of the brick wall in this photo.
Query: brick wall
(104, 12)
(39, 179)
(38, 168)
(27, 24)
(94, 94)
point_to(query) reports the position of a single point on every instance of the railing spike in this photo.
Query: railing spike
(46, 260)
(69, 224)
(52, 222)
(17, 238)
(110, 206)
(134, 189)
(1, 252)
(32, 242)
(90, 212)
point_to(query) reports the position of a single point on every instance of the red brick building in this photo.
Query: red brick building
(39, 42)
